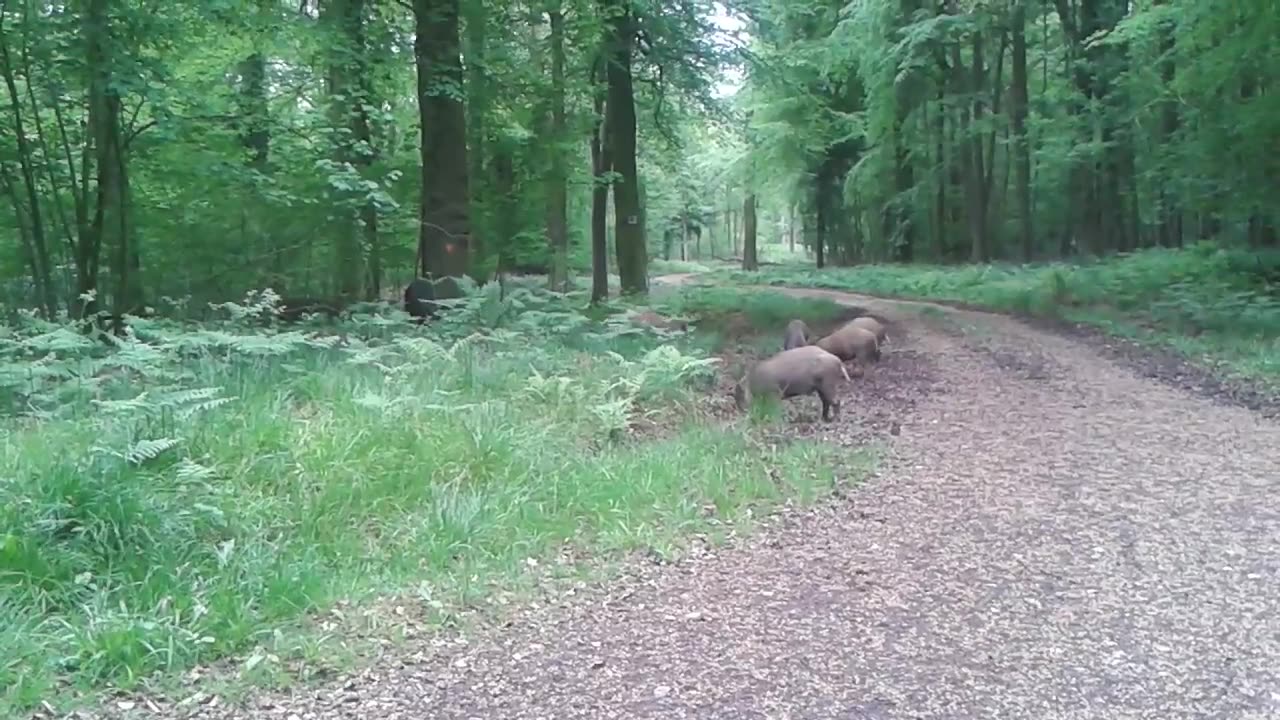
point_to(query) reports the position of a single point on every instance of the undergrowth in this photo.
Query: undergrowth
(1218, 306)
(183, 494)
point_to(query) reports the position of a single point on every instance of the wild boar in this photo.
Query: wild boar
(797, 335)
(799, 371)
(851, 342)
(867, 322)
(420, 296)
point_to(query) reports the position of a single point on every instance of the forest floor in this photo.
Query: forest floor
(1052, 533)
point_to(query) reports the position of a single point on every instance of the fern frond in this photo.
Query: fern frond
(191, 411)
(190, 471)
(145, 450)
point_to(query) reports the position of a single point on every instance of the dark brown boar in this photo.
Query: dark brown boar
(851, 342)
(867, 322)
(799, 371)
(797, 335)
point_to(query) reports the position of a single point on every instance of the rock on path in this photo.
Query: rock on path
(1051, 536)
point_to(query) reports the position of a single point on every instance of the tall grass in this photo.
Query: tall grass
(1217, 305)
(186, 495)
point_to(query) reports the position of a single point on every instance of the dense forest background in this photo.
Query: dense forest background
(155, 152)
(210, 484)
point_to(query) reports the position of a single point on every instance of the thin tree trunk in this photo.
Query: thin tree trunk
(20, 220)
(791, 228)
(684, 237)
(345, 19)
(975, 177)
(602, 163)
(43, 276)
(1021, 146)
(823, 212)
(1170, 231)
(558, 190)
(480, 173)
(749, 260)
(366, 155)
(54, 189)
(944, 178)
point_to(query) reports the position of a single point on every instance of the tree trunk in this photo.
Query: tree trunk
(684, 237)
(749, 260)
(366, 154)
(104, 129)
(345, 22)
(824, 215)
(255, 138)
(1170, 231)
(506, 221)
(602, 163)
(731, 221)
(977, 202)
(896, 221)
(1021, 147)
(791, 228)
(55, 191)
(42, 275)
(629, 238)
(445, 217)
(480, 173)
(558, 192)
(24, 236)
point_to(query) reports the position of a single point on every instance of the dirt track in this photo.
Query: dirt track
(1051, 536)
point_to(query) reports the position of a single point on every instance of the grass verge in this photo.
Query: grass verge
(1218, 307)
(193, 493)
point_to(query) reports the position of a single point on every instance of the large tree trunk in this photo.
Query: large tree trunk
(558, 181)
(1021, 147)
(445, 218)
(629, 238)
(108, 219)
(601, 164)
(749, 260)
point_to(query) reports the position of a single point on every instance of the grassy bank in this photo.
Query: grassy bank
(193, 495)
(1217, 307)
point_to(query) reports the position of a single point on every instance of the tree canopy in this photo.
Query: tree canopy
(151, 152)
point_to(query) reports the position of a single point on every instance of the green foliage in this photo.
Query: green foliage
(1146, 125)
(190, 491)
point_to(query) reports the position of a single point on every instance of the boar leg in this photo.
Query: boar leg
(830, 405)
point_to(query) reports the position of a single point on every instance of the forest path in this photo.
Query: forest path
(1050, 535)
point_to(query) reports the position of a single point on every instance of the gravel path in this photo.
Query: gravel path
(1050, 536)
